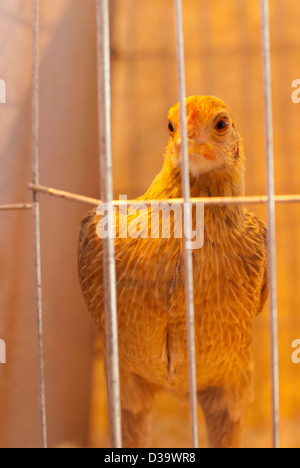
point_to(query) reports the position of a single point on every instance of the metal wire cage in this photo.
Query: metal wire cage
(105, 152)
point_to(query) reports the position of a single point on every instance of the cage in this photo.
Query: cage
(223, 57)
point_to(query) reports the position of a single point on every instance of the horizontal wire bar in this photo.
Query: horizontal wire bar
(16, 206)
(248, 200)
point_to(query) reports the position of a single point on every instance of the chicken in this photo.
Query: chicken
(230, 285)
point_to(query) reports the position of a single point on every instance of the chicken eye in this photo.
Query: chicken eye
(171, 128)
(222, 125)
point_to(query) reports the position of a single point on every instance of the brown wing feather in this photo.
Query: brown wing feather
(90, 265)
(257, 234)
(265, 285)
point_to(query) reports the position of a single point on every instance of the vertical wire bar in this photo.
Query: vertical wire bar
(104, 109)
(265, 28)
(188, 259)
(36, 218)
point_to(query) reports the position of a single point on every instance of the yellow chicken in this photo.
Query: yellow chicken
(230, 284)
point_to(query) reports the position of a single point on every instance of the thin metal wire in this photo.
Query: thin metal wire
(188, 259)
(265, 30)
(36, 218)
(16, 207)
(104, 110)
(254, 200)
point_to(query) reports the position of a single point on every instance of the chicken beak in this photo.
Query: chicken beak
(198, 148)
(204, 149)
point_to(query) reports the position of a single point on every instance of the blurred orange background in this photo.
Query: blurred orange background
(223, 58)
